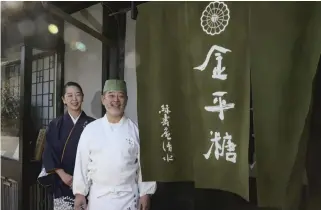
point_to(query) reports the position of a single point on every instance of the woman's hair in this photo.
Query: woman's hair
(69, 84)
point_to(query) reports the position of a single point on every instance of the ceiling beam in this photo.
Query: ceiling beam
(31, 9)
(73, 6)
(63, 15)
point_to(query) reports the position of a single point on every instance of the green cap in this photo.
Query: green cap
(115, 85)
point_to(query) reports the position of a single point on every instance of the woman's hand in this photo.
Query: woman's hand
(144, 202)
(66, 178)
(80, 202)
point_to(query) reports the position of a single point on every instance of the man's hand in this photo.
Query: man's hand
(80, 202)
(66, 178)
(144, 202)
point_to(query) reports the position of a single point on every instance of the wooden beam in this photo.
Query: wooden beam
(73, 6)
(61, 14)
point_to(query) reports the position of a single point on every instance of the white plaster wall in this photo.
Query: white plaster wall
(130, 68)
(14, 53)
(85, 68)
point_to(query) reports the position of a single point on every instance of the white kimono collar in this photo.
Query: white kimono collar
(74, 120)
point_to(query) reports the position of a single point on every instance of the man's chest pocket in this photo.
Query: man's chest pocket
(129, 148)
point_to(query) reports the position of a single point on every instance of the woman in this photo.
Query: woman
(62, 138)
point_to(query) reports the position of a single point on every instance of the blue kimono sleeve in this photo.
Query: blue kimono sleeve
(50, 158)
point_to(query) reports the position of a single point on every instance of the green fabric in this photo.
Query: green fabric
(171, 43)
(213, 173)
(115, 85)
(277, 45)
(163, 77)
(285, 48)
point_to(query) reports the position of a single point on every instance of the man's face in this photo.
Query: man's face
(115, 102)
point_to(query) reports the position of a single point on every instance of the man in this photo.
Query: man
(107, 163)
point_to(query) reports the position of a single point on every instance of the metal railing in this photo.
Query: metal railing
(40, 198)
(9, 194)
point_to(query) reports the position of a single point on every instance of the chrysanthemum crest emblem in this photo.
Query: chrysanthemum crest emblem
(215, 18)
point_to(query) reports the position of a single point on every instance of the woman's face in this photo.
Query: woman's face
(73, 98)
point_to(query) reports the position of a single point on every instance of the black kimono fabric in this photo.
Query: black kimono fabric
(60, 153)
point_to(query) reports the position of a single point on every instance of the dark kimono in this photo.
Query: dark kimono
(60, 153)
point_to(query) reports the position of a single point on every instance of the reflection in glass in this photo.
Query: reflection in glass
(34, 66)
(34, 77)
(39, 88)
(10, 110)
(42, 101)
(45, 100)
(34, 89)
(45, 87)
(40, 64)
(46, 63)
(46, 75)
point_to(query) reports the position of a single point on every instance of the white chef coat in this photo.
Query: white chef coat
(108, 167)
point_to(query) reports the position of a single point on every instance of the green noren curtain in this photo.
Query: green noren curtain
(174, 70)
(186, 75)
(163, 78)
(285, 49)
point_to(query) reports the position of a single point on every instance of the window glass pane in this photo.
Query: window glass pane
(39, 100)
(45, 100)
(34, 66)
(45, 88)
(34, 77)
(45, 113)
(34, 89)
(40, 64)
(33, 101)
(52, 74)
(52, 62)
(51, 87)
(46, 75)
(51, 113)
(46, 63)
(10, 111)
(39, 88)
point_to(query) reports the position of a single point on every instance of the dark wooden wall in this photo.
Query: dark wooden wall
(183, 196)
